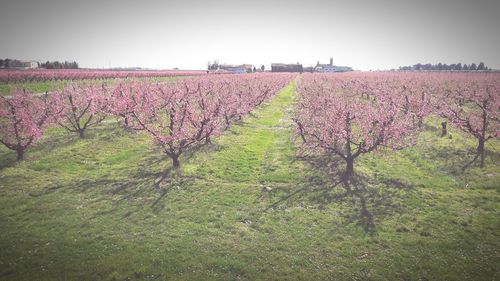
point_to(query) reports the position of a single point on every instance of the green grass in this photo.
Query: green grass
(246, 208)
(46, 86)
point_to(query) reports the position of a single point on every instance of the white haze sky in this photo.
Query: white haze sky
(187, 34)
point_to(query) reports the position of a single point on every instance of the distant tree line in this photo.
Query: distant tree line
(14, 63)
(59, 65)
(213, 65)
(444, 66)
(11, 63)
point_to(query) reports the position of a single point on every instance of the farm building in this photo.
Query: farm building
(29, 64)
(243, 68)
(331, 67)
(282, 67)
(18, 64)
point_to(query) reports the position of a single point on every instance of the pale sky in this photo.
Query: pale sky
(187, 34)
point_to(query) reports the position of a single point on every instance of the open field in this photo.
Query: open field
(47, 86)
(247, 208)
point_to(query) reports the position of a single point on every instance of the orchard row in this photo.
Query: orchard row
(177, 115)
(352, 114)
(342, 114)
(9, 76)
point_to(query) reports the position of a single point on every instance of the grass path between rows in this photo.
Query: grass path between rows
(244, 208)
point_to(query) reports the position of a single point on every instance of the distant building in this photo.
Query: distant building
(282, 67)
(29, 64)
(242, 68)
(248, 67)
(18, 64)
(331, 67)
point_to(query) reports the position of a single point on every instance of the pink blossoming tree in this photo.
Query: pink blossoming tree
(23, 117)
(472, 104)
(334, 116)
(76, 108)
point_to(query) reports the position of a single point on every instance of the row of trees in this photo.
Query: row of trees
(8, 76)
(216, 66)
(178, 116)
(353, 114)
(13, 63)
(441, 66)
(59, 65)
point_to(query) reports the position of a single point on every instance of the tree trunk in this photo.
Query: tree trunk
(80, 133)
(175, 161)
(20, 154)
(444, 129)
(480, 152)
(420, 122)
(349, 172)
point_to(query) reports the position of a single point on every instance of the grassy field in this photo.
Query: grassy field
(247, 208)
(46, 86)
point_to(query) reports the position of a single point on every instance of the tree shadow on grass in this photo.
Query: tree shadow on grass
(7, 159)
(177, 181)
(147, 181)
(206, 148)
(363, 201)
(454, 160)
(132, 187)
(62, 138)
(45, 146)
